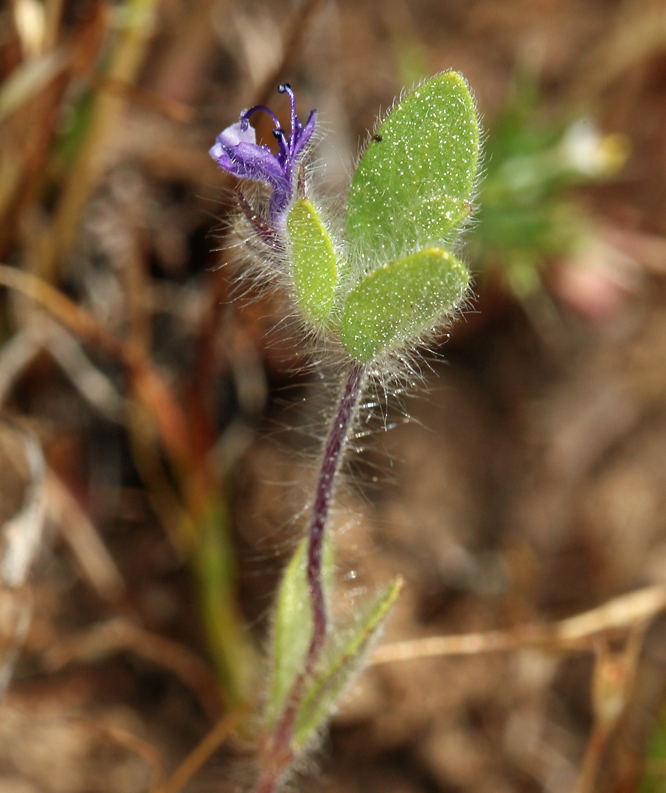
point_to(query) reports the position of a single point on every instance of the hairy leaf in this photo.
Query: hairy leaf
(346, 651)
(314, 264)
(292, 629)
(398, 302)
(413, 184)
(231, 646)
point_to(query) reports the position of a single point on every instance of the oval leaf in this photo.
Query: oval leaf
(413, 184)
(400, 301)
(314, 264)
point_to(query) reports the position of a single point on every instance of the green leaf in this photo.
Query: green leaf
(413, 184)
(314, 263)
(398, 302)
(652, 780)
(344, 655)
(292, 628)
(234, 654)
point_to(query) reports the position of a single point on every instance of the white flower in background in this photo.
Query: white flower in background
(586, 150)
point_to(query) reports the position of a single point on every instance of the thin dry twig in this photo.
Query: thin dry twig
(33, 129)
(128, 740)
(614, 672)
(149, 385)
(42, 333)
(93, 385)
(200, 754)
(22, 532)
(72, 316)
(21, 535)
(52, 18)
(30, 79)
(22, 602)
(574, 633)
(162, 496)
(82, 537)
(639, 31)
(15, 355)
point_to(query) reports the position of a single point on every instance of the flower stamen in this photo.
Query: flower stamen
(236, 150)
(245, 116)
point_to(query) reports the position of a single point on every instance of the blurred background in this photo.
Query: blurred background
(158, 437)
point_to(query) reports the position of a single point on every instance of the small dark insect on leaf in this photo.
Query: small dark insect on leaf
(378, 138)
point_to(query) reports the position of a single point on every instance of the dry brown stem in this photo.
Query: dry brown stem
(148, 385)
(128, 740)
(200, 754)
(82, 537)
(575, 633)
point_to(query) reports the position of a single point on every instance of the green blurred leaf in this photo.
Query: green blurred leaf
(398, 302)
(411, 58)
(292, 628)
(653, 780)
(528, 215)
(314, 263)
(71, 136)
(233, 653)
(346, 650)
(413, 184)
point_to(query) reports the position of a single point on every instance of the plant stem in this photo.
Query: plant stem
(330, 464)
(277, 754)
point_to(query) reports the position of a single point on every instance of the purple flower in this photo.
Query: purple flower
(237, 151)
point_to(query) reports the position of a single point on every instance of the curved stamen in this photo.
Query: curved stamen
(285, 88)
(281, 136)
(245, 116)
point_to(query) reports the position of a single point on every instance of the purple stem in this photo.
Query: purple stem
(277, 754)
(321, 505)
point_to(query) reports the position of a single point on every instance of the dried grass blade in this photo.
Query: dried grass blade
(29, 79)
(621, 613)
(22, 533)
(83, 539)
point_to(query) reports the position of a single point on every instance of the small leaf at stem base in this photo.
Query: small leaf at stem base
(342, 659)
(292, 628)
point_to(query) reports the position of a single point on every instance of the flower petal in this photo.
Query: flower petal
(304, 135)
(240, 132)
(250, 161)
(256, 162)
(232, 136)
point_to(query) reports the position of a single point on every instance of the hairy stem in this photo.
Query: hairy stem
(330, 464)
(277, 754)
